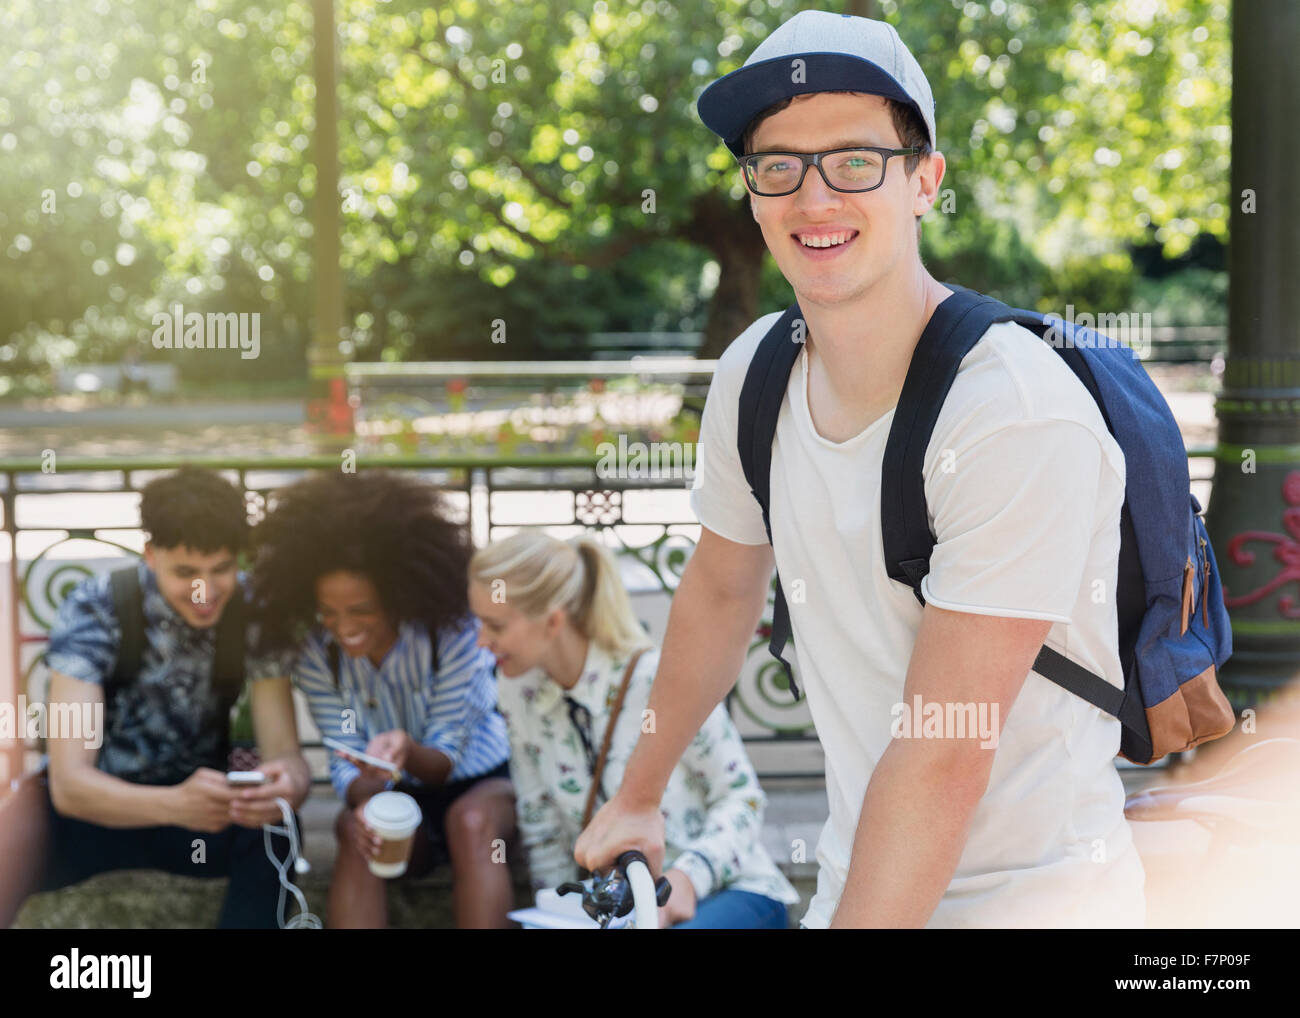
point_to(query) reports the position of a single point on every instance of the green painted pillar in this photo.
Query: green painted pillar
(1254, 513)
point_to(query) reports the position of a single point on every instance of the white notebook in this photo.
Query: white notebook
(562, 912)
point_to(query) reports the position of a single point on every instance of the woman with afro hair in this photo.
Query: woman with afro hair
(360, 589)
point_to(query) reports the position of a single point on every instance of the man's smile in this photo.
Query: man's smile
(821, 243)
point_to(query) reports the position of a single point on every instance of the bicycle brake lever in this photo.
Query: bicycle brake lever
(610, 897)
(663, 888)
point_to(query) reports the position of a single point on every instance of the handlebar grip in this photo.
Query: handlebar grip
(629, 857)
(663, 887)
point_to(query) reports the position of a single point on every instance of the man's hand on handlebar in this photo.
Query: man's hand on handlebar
(618, 827)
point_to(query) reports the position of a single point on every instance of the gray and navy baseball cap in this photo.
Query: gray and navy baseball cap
(839, 53)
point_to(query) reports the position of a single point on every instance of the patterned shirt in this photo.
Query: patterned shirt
(160, 728)
(713, 805)
(452, 710)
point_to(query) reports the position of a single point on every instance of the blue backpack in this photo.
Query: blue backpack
(1171, 699)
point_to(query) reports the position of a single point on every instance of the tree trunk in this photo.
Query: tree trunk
(329, 415)
(727, 229)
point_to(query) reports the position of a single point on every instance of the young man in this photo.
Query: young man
(1024, 485)
(156, 788)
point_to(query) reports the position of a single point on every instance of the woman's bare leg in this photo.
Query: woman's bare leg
(478, 825)
(358, 899)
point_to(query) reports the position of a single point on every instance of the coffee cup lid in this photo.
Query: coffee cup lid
(394, 812)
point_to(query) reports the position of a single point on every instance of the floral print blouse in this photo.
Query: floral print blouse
(713, 806)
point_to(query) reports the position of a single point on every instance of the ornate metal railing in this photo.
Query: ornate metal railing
(78, 517)
(50, 507)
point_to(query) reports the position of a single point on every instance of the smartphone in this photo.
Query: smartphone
(245, 779)
(356, 754)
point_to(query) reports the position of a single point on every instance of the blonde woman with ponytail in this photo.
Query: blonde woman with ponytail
(559, 622)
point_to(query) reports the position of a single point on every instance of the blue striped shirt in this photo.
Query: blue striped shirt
(452, 711)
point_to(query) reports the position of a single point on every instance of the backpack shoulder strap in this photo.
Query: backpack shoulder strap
(231, 648)
(761, 396)
(955, 327)
(760, 402)
(124, 585)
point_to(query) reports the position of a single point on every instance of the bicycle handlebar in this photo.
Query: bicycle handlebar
(628, 885)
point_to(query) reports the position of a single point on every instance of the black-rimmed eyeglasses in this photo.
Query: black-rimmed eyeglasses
(851, 170)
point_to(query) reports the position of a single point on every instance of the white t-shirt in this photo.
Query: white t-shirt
(1024, 486)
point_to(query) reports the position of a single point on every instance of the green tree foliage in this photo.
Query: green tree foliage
(171, 138)
(542, 163)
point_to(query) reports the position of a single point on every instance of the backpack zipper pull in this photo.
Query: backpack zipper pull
(1205, 586)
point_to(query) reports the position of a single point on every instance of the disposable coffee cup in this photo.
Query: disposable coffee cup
(395, 817)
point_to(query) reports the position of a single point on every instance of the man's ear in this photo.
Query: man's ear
(930, 173)
(753, 209)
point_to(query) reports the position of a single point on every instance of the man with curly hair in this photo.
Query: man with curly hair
(361, 591)
(154, 795)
